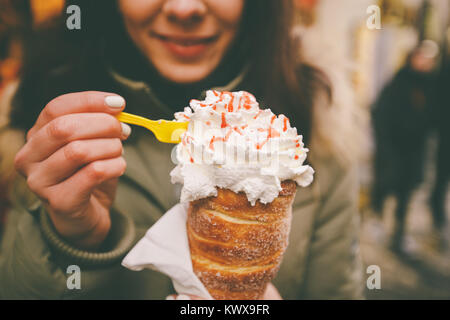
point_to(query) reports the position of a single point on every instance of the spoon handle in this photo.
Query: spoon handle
(134, 119)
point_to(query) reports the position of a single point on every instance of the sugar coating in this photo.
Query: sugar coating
(235, 258)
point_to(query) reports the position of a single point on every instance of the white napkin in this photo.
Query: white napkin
(165, 248)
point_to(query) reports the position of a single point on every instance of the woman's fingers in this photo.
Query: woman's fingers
(271, 293)
(75, 191)
(68, 159)
(66, 129)
(78, 102)
(183, 297)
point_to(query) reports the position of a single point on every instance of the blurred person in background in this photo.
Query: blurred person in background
(159, 54)
(440, 121)
(401, 121)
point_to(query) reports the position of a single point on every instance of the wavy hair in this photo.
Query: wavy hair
(276, 73)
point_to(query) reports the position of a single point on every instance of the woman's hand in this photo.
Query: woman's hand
(72, 160)
(271, 293)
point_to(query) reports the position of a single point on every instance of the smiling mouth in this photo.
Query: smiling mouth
(186, 48)
(186, 41)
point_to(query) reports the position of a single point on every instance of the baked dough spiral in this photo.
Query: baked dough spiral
(236, 248)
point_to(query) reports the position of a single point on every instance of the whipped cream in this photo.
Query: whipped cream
(231, 143)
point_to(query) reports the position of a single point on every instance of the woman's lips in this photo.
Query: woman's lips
(186, 47)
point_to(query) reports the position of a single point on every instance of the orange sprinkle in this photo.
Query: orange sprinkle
(228, 135)
(224, 93)
(296, 157)
(224, 121)
(192, 160)
(208, 123)
(243, 127)
(248, 97)
(186, 116)
(213, 140)
(259, 146)
(230, 104)
(286, 121)
(215, 93)
(214, 107)
(237, 130)
(185, 139)
(273, 119)
(273, 133)
(297, 145)
(259, 112)
(211, 143)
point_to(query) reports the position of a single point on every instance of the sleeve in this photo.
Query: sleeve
(334, 269)
(34, 258)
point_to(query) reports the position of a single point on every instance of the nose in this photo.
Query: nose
(184, 11)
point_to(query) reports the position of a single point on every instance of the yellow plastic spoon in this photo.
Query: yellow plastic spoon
(165, 131)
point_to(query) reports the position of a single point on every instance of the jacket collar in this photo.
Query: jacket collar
(139, 91)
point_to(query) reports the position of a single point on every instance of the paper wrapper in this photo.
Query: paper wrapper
(165, 248)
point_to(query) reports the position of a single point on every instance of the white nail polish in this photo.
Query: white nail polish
(126, 129)
(170, 298)
(183, 297)
(115, 101)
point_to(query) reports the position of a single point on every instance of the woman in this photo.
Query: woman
(156, 55)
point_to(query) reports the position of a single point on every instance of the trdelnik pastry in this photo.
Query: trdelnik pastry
(239, 166)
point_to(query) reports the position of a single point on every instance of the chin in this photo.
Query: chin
(185, 74)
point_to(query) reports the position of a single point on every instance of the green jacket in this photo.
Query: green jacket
(322, 259)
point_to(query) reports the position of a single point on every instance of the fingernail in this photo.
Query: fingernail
(183, 297)
(115, 101)
(126, 129)
(170, 297)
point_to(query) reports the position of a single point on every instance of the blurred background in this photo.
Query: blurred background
(396, 75)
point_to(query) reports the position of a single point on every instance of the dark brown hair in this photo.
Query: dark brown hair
(276, 73)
